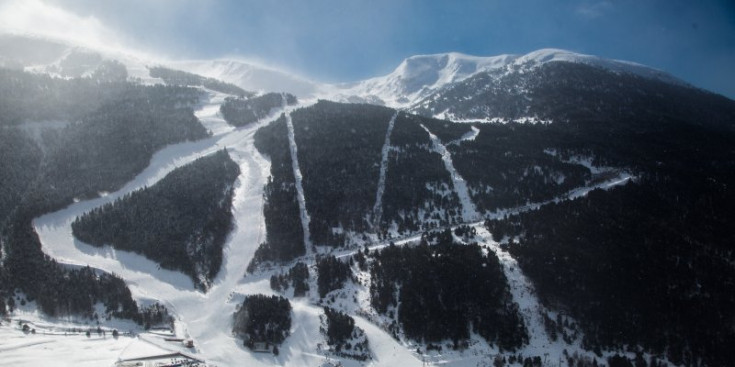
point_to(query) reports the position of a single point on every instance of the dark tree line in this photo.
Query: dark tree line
(339, 326)
(243, 111)
(646, 263)
(263, 319)
(180, 222)
(416, 180)
(284, 232)
(100, 135)
(445, 291)
(183, 78)
(575, 92)
(506, 166)
(339, 148)
(346, 339)
(332, 274)
(297, 277)
(635, 268)
(38, 97)
(446, 131)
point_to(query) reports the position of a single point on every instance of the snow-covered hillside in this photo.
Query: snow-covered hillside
(417, 77)
(206, 317)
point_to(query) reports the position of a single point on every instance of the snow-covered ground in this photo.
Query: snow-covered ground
(20, 349)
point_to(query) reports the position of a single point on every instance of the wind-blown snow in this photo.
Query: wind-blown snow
(251, 76)
(378, 208)
(305, 219)
(469, 212)
(209, 114)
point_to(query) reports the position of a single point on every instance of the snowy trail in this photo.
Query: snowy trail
(529, 306)
(204, 317)
(469, 136)
(305, 219)
(378, 208)
(469, 212)
(621, 179)
(201, 316)
(208, 113)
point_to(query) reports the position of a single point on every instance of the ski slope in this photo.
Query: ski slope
(378, 208)
(203, 317)
(305, 219)
(469, 211)
(206, 317)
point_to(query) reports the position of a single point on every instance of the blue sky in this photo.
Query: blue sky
(344, 40)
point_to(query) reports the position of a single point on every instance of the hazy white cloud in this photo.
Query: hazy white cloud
(593, 9)
(34, 17)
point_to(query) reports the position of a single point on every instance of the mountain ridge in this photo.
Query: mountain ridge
(419, 76)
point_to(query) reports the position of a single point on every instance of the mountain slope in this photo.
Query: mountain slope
(419, 77)
(585, 274)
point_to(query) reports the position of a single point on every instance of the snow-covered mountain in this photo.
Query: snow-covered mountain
(418, 77)
(65, 59)
(415, 79)
(359, 182)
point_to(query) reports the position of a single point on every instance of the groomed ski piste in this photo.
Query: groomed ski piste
(469, 212)
(206, 318)
(378, 208)
(301, 198)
